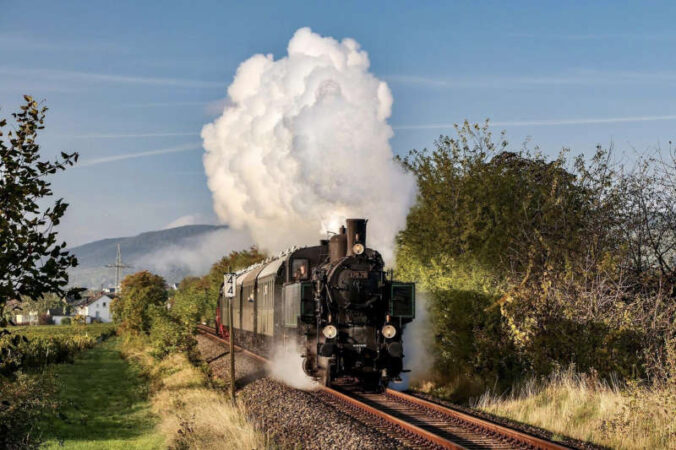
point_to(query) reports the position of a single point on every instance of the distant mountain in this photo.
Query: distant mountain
(173, 253)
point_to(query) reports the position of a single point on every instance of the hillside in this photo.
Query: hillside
(173, 253)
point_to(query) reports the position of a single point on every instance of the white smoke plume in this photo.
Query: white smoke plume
(418, 342)
(303, 143)
(195, 254)
(286, 366)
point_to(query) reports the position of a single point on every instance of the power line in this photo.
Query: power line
(118, 266)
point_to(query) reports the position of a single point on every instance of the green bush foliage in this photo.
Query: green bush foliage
(533, 264)
(22, 402)
(170, 334)
(140, 292)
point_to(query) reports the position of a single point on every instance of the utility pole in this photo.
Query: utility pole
(229, 281)
(118, 266)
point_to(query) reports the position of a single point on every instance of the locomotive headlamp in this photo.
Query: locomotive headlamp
(389, 331)
(330, 331)
(358, 249)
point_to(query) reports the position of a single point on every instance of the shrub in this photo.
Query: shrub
(66, 321)
(22, 401)
(140, 292)
(169, 334)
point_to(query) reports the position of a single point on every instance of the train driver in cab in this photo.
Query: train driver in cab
(301, 271)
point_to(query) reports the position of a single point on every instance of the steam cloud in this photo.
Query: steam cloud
(418, 343)
(303, 143)
(195, 254)
(286, 366)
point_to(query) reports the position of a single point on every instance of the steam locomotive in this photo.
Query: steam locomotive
(334, 302)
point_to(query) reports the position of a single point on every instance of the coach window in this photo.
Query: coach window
(300, 269)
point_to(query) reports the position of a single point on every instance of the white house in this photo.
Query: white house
(95, 308)
(30, 318)
(57, 315)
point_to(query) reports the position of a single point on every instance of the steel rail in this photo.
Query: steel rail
(429, 436)
(209, 332)
(534, 441)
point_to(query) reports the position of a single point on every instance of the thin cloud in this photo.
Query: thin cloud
(577, 77)
(595, 36)
(164, 104)
(552, 122)
(490, 82)
(162, 151)
(210, 107)
(69, 75)
(21, 42)
(124, 135)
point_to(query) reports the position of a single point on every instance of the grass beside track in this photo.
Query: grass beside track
(590, 410)
(103, 404)
(192, 414)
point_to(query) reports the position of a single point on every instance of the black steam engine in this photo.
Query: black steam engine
(334, 302)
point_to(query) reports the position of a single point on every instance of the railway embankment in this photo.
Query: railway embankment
(192, 412)
(291, 417)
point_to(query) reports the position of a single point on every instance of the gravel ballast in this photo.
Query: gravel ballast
(291, 417)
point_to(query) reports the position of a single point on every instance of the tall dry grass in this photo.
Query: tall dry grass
(582, 407)
(193, 415)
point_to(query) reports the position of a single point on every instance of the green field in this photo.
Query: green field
(103, 404)
(94, 330)
(49, 344)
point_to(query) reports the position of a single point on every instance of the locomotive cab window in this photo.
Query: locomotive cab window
(402, 300)
(300, 269)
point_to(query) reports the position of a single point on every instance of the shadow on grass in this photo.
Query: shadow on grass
(101, 397)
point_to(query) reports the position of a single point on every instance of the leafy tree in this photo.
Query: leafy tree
(140, 293)
(32, 262)
(191, 303)
(522, 259)
(42, 304)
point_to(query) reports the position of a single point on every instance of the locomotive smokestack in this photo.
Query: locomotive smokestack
(356, 234)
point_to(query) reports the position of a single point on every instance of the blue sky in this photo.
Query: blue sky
(130, 84)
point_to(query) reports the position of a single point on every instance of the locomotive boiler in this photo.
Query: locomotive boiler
(334, 301)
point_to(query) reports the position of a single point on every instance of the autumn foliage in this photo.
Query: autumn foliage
(535, 264)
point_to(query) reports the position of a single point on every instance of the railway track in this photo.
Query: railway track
(415, 422)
